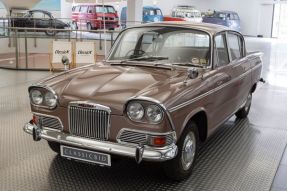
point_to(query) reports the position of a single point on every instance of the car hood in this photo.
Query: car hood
(114, 85)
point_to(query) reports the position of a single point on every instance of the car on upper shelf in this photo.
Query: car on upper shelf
(184, 13)
(150, 14)
(39, 19)
(164, 89)
(226, 18)
(94, 16)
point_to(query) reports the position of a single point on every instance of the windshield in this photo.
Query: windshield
(169, 45)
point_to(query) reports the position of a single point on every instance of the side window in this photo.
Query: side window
(84, 9)
(221, 57)
(91, 9)
(235, 46)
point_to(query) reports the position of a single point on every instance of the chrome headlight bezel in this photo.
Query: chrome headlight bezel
(144, 117)
(45, 92)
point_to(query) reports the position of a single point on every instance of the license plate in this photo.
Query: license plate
(85, 155)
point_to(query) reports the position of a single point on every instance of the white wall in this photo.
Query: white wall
(248, 10)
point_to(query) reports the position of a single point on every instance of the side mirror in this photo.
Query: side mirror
(192, 73)
(66, 62)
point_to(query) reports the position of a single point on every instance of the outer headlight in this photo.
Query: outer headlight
(36, 97)
(154, 113)
(50, 99)
(135, 111)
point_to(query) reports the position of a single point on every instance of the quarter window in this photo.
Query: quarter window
(235, 46)
(220, 51)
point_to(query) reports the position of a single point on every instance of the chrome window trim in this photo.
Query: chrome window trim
(51, 116)
(211, 91)
(47, 88)
(95, 106)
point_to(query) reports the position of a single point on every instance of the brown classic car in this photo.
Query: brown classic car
(163, 90)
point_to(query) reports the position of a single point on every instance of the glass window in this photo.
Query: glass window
(101, 9)
(236, 17)
(111, 10)
(174, 44)
(220, 51)
(158, 12)
(77, 9)
(91, 9)
(38, 15)
(234, 43)
(84, 9)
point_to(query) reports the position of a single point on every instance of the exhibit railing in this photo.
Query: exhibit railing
(30, 48)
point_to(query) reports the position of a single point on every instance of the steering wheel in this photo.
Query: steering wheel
(128, 54)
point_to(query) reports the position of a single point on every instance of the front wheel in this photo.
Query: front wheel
(54, 146)
(181, 166)
(244, 111)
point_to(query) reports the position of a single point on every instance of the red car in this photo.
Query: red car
(92, 16)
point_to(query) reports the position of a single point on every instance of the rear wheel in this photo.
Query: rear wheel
(181, 166)
(89, 27)
(50, 32)
(244, 111)
(54, 147)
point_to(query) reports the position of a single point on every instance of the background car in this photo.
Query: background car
(92, 16)
(150, 14)
(39, 19)
(184, 13)
(225, 18)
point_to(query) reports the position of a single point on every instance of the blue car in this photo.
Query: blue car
(225, 18)
(150, 14)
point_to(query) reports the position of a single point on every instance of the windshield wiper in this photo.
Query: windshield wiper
(189, 64)
(146, 58)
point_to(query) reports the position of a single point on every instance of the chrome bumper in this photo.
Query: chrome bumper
(147, 153)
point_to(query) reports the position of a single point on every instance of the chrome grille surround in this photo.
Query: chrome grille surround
(89, 120)
(136, 137)
(48, 121)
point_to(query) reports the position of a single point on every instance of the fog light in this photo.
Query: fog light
(157, 141)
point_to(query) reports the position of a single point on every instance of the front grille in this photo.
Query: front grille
(89, 123)
(133, 137)
(140, 138)
(50, 122)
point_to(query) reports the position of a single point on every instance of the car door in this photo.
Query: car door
(240, 66)
(223, 96)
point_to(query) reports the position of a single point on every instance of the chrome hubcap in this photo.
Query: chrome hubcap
(188, 151)
(248, 102)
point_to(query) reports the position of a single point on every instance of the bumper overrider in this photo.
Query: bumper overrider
(139, 152)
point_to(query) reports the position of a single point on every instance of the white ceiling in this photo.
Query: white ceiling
(19, 4)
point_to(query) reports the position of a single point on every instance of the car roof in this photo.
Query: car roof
(226, 12)
(38, 10)
(206, 27)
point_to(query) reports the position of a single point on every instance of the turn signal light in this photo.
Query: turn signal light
(34, 120)
(158, 141)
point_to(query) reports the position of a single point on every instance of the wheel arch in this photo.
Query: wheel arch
(199, 116)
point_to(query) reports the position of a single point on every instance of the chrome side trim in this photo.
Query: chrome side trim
(51, 116)
(149, 153)
(211, 91)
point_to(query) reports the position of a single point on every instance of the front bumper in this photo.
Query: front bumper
(147, 153)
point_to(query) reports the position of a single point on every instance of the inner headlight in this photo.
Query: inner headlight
(36, 97)
(154, 113)
(135, 111)
(50, 99)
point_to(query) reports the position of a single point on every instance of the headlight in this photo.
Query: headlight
(36, 97)
(50, 99)
(135, 111)
(154, 113)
